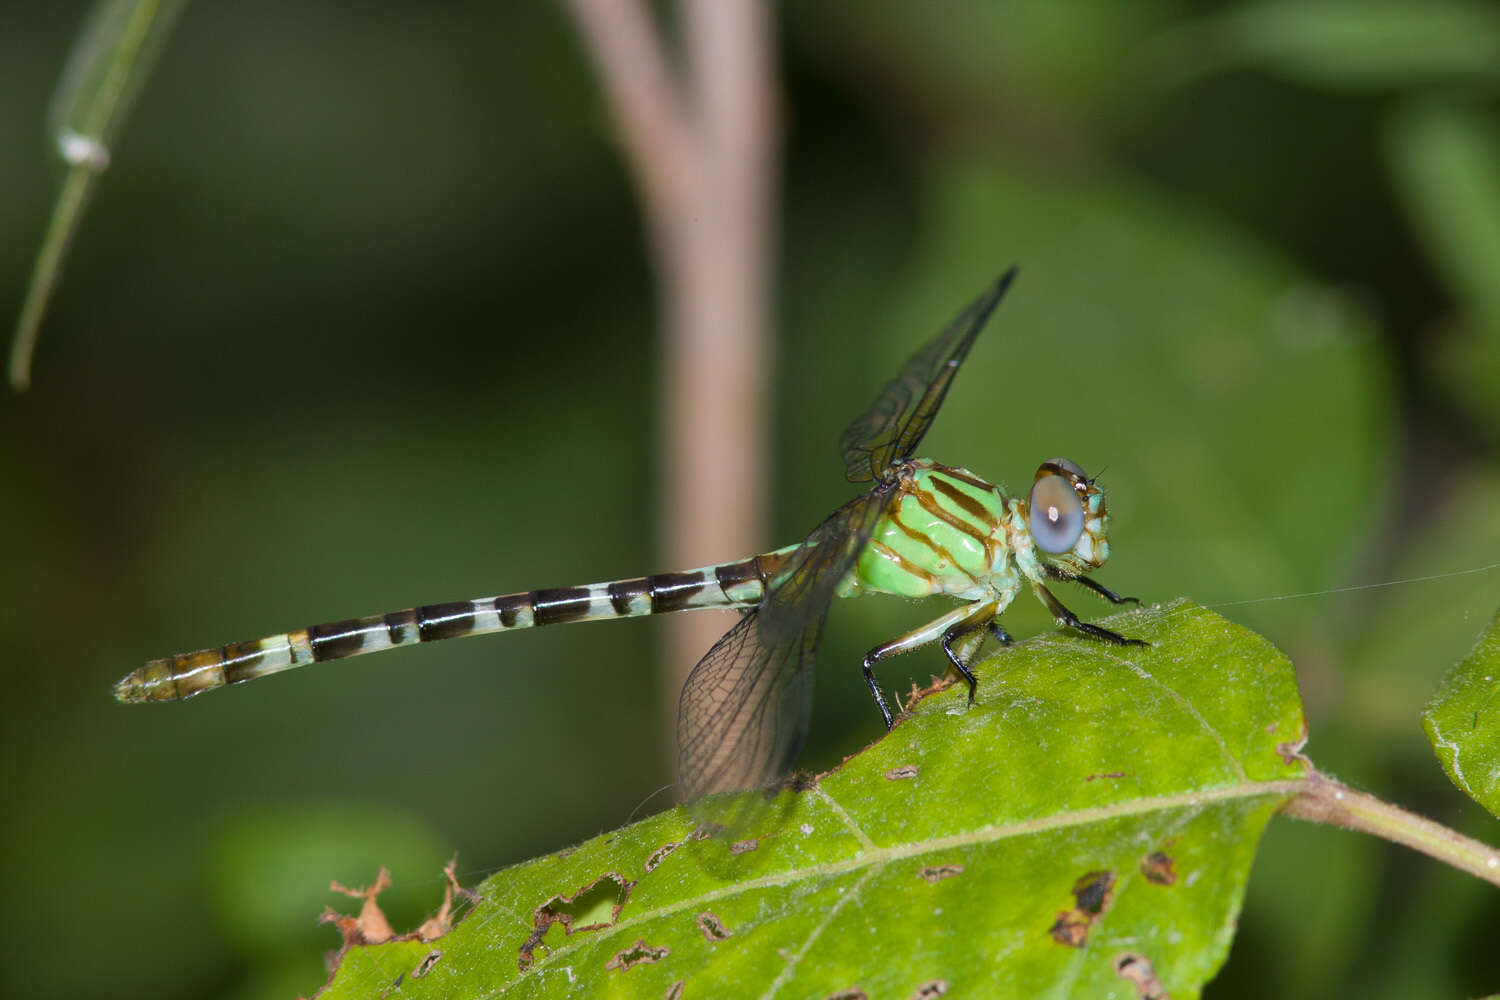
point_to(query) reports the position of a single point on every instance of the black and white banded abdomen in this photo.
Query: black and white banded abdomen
(728, 585)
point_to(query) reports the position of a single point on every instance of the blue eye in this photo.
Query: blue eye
(1056, 515)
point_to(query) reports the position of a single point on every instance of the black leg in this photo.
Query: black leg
(885, 712)
(1068, 618)
(998, 631)
(1106, 593)
(958, 632)
(960, 623)
(1109, 595)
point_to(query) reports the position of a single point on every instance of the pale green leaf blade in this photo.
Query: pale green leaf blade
(1351, 44)
(1463, 721)
(110, 61)
(1445, 160)
(1087, 826)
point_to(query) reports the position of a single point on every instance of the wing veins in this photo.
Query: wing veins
(890, 430)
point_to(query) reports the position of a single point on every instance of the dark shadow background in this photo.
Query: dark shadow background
(361, 318)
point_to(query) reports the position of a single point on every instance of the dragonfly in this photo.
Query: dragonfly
(920, 529)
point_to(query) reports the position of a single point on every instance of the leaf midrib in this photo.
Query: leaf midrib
(879, 857)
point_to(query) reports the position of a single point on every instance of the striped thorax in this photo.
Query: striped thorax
(950, 532)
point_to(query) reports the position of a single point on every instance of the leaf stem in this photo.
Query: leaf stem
(1320, 799)
(60, 229)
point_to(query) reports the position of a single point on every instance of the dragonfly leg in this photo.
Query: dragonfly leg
(1068, 618)
(998, 631)
(949, 637)
(1094, 585)
(885, 712)
(959, 622)
(1106, 593)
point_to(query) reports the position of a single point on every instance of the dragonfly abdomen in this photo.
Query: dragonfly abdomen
(736, 584)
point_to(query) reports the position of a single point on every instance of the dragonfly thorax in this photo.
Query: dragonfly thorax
(947, 531)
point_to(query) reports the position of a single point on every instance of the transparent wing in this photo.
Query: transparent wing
(745, 707)
(891, 429)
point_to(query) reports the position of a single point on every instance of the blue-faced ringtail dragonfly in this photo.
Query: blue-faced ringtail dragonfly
(921, 529)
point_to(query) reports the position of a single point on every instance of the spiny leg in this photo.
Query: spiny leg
(1068, 618)
(1095, 586)
(963, 619)
(998, 631)
(1106, 593)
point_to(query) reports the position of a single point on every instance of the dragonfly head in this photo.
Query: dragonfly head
(1068, 519)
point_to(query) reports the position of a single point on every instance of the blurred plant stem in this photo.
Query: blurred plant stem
(110, 61)
(66, 215)
(700, 139)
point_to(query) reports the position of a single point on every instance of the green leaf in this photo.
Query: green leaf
(1463, 721)
(1086, 826)
(958, 58)
(1446, 162)
(110, 60)
(1445, 159)
(1351, 44)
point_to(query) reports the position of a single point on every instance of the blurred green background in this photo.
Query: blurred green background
(357, 309)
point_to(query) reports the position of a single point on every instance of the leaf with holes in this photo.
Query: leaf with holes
(1463, 721)
(1084, 829)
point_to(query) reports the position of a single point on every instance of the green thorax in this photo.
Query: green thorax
(946, 532)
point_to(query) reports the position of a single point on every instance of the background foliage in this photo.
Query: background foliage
(361, 319)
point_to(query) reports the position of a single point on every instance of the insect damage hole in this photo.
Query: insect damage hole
(593, 907)
(1092, 893)
(660, 854)
(639, 953)
(1138, 970)
(936, 873)
(712, 927)
(1157, 868)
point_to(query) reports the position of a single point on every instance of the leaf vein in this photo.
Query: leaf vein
(879, 857)
(846, 819)
(1146, 675)
(817, 932)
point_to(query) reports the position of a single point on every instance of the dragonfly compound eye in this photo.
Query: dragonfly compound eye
(1056, 515)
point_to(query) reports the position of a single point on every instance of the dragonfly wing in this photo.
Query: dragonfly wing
(745, 707)
(890, 430)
